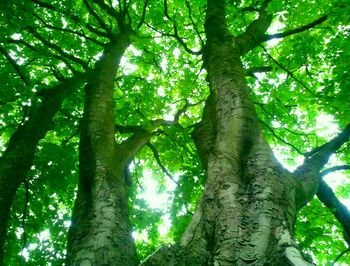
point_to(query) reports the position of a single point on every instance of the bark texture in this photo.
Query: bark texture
(248, 208)
(100, 231)
(18, 156)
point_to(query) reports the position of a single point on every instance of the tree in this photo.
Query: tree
(246, 213)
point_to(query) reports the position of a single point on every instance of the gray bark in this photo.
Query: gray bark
(247, 211)
(100, 231)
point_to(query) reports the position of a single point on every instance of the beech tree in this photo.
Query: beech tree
(203, 94)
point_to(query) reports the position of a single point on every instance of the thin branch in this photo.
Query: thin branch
(58, 49)
(297, 133)
(279, 138)
(61, 11)
(157, 157)
(161, 122)
(36, 50)
(192, 21)
(143, 16)
(29, 46)
(166, 13)
(69, 31)
(17, 67)
(176, 34)
(111, 11)
(182, 42)
(92, 28)
(97, 17)
(335, 168)
(286, 70)
(341, 255)
(294, 31)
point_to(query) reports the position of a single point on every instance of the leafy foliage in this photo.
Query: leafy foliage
(301, 103)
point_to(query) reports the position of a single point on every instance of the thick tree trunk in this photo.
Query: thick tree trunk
(18, 156)
(247, 211)
(100, 231)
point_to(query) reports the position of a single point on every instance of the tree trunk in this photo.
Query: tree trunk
(100, 230)
(18, 156)
(248, 208)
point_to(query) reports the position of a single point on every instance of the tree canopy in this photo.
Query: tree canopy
(298, 78)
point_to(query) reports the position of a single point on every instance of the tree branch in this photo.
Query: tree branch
(279, 138)
(340, 255)
(307, 175)
(69, 31)
(97, 17)
(286, 70)
(294, 31)
(254, 33)
(157, 157)
(143, 16)
(92, 28)
(29, 46)
(110, 11)
(176, 34)
(335, 168)
(17, 68)
(126, 150)
(341, 213)
(141, 135)
(320, 156)
(161, 122)
(19, 154)
(57, 48)
(192, 21)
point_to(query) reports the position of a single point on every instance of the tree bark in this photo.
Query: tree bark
(248, 208)
(18, 156)
(100, 230)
